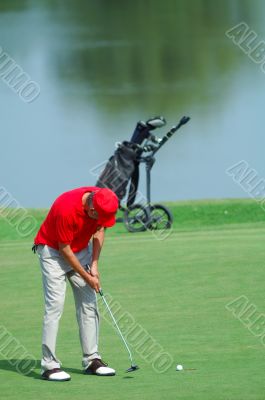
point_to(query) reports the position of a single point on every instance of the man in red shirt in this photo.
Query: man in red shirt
(62, 246)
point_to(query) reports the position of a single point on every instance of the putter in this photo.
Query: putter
(133, 366)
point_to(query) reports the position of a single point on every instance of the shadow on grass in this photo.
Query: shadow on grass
(73, 370)
(23, 367)
(27, 368)
(80, 372)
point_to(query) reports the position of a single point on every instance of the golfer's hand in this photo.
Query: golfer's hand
(93, 282)
(94, 270)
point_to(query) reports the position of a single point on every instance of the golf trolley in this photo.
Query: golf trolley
(123, 167)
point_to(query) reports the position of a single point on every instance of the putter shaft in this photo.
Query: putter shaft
(116, 325)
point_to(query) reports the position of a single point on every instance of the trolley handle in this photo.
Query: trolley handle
(154, 147)
(168, 135)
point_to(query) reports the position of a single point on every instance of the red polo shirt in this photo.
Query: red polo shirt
(67, 222)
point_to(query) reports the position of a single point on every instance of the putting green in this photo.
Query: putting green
(173, 292)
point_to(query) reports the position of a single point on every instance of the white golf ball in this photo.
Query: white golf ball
(179, 367)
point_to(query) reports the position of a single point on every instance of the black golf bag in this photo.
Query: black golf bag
(122, 167)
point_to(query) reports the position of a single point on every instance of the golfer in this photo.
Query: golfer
(64, 247)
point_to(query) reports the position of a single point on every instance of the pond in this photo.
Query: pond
(101, 66)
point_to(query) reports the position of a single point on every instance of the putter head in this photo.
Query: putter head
(132, 368)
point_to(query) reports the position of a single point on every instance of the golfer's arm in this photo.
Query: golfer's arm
(73, 261)
(98, 240)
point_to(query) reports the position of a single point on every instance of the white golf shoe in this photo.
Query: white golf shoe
(55, 374)
(100, 368)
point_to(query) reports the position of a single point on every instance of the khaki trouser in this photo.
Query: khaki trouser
(54, 272)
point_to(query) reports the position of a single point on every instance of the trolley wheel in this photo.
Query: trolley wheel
(136, 218)
(160, 217)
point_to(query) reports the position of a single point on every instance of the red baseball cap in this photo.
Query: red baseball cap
(106, 204)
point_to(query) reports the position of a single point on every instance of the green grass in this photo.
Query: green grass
(176, 289)
(189, 215)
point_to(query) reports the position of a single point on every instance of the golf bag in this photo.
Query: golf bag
(122, 167)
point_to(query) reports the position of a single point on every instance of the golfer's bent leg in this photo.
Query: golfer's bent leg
(87, 317)
(54, 286)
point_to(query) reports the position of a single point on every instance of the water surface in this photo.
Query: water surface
(102, 66)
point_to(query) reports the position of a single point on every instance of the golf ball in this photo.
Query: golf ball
(179, 367)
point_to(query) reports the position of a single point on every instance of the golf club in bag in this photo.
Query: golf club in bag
(123, 168)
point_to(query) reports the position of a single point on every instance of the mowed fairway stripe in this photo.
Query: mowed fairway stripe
(212, 234)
